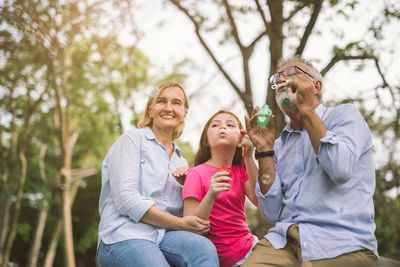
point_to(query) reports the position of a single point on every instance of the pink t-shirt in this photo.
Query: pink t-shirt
(229, 231)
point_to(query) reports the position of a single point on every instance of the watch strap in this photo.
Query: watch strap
(263, 154)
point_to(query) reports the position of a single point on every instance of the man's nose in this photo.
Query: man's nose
(281, 78)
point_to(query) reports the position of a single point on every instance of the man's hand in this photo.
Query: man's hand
(305, 88)
(262, 137)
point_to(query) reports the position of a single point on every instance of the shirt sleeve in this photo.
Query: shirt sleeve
(193, 186)
(347, 138)
(124, 174)
(270, 203)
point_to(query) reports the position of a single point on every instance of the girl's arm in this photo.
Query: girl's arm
(251, 168)
(191, 206)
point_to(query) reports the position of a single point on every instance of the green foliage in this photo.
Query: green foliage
(66, 52)
(24, 231)
(187, 152)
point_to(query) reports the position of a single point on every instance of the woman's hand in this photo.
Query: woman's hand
(194, 224)
(219, 182)
(180, 174)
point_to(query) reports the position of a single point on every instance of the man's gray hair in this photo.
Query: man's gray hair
(313, 70)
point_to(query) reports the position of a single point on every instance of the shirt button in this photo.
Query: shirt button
(305, 244)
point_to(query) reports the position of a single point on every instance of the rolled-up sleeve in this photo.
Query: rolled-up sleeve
(270, 203)
(341, 147)
(124, 175)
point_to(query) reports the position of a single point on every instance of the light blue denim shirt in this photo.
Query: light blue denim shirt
(136, 174)
(328, 195)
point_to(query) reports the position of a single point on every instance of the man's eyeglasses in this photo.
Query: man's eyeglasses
(289, 71)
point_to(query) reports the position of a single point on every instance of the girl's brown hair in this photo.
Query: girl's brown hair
(204, 152)
(147, 121)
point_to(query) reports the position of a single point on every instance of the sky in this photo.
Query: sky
(168, 37)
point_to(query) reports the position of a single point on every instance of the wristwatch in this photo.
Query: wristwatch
(263, 154)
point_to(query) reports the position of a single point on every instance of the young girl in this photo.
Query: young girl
(216, 187)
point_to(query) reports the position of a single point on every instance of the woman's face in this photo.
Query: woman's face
(168, 111)
(223, 130)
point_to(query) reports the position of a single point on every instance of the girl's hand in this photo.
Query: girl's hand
(247, 145)
(180, 174)
(219, 182)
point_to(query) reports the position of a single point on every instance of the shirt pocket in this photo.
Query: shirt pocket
(153, 175)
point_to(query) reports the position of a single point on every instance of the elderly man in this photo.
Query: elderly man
(316, 181)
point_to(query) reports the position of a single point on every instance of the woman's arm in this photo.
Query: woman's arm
(156, 216)
(124, 173)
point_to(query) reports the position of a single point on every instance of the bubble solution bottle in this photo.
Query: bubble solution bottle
(264, 115)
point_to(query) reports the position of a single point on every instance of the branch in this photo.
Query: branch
(262, 14)
(337, 58)
(258, 38)
(245, 51)
(177, 4)
(232, 22)
(208, 81)
(83, 173)
(309, 27)
(295, 11)
(385, 83)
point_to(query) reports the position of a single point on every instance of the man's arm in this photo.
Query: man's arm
(315, 128)
(269, 192)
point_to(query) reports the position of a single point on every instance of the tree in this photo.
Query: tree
(287, 28)
(62, 63)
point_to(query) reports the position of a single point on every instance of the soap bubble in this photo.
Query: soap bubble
(266, 179)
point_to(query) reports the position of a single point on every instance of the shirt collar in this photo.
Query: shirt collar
(320, 110)
(150, 136)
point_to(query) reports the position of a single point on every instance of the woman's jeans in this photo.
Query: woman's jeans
(177, 248)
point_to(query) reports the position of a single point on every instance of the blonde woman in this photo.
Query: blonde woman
(140, 201)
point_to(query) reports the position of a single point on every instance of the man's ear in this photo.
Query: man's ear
(318, 87)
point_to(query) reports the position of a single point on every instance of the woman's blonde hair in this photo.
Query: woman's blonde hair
(147, 121)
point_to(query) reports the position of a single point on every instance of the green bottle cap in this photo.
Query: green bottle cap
(285, 101)
(264, 115)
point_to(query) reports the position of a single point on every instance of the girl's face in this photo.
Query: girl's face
(168, 111)
(223, 130)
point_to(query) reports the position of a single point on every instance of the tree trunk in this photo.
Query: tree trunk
(51, 251)
(17, 208)
(68, 233)
(275, 50)
(37, 239)
(4, 223)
